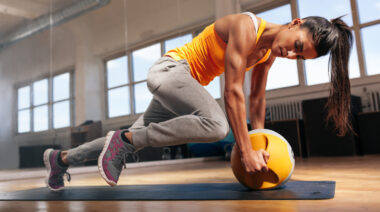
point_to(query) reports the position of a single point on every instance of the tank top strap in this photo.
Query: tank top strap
(261, 30)
(258, 29)
(254, 20)
(258, 35)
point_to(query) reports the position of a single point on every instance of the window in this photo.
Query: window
(214, 88)
(40, 92)
(283, 72)
(34, 104)
(61, 114)
(177, 42)
(24, 121)
(23, 99)
(326, 8)
(353, 64)
(278, 15)
(118, 102)
(316, 70)
(118, 87)
(61, 101)
(40, 118)
(40, 100)
(143, 59)
(126, 95)
(368, 10)
(117, 72)
(142, 97)
(371, 48)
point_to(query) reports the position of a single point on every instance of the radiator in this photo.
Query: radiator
(284, 111)
(371, 101)
(293, 110)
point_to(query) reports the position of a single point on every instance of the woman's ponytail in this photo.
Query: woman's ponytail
(339, 103)
(335, 37)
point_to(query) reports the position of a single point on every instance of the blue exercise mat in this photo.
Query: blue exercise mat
(293, 190)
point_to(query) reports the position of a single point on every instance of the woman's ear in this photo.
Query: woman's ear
(295, 22)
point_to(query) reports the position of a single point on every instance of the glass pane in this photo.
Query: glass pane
(118, 102)
(283, 73)
(316, 70)
(61, 114)
(117, 72)
(23, 97)
(278, 15)
(214, 88)
(177, 42)
(40, 116)
(353, 65)
(40, 92)
(61, 87)
(368, 10)
(24, 121)
(143, 59)
(326, 8)
(371, 46)
(142, 97)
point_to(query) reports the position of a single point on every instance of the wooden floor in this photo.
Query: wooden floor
(357, 188)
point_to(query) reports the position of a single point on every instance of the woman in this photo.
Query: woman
(183, 111)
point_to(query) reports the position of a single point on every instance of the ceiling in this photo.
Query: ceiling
(15, 13)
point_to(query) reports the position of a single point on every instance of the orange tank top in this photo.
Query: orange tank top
(205, 54)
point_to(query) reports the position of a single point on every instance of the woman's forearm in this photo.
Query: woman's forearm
(235, 108)
(257, 112)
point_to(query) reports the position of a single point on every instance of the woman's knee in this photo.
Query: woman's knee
(220, 130)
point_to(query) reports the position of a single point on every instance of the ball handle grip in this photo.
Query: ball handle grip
(262, 142)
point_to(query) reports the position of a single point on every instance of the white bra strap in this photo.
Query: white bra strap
(254, 19)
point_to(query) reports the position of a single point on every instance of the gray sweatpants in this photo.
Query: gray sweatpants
(181, 111)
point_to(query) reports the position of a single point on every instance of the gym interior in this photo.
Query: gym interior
(71, 71)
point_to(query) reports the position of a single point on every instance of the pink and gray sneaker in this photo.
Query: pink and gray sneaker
(55, 172)
(113, 156)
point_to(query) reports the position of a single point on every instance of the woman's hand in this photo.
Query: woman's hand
(255, 161)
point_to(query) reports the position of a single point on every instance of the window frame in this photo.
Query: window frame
(49, 104)
(357, 28)
(303, 89)
(131, 83)
(70, 99)
(128, 84)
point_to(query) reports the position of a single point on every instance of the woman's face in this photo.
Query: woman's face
(294, 42)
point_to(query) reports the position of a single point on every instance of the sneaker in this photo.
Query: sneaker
(113, 157)
(54, 178)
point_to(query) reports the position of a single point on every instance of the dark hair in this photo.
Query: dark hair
(334, 36)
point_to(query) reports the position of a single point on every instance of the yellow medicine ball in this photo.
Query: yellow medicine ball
(280, 163)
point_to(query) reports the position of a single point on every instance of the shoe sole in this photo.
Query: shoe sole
(48, 168)
(100, 159)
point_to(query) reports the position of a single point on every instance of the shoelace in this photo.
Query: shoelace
(68, 176)
(125, 155)
(59, 179)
